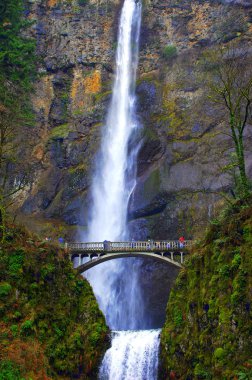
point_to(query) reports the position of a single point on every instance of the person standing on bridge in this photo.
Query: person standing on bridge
(181, 242)
(106, 245)
(61, 240)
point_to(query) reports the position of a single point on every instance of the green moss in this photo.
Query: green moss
(5, 289)
(101, 96)
(200, 372)
(169, 52)
(150, 78)
(78, 112)
(61, 131)
(74, 169)
(219, 354)
(50, 313)
(207, 329)
(27, 327)
(14, 329)
(9, 371)
(177, 316)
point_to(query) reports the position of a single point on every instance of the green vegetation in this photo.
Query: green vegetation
(230, 86)
(208, 324)
(9, 372)
(61, 131)
(51, 326)
(17, 52)
(169, 52)
(17, 72)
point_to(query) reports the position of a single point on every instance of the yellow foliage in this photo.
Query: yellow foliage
(107, 27)
(92, 83)
(52, 3)
(84, 87)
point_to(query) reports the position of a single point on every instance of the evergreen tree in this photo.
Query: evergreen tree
(17, 72)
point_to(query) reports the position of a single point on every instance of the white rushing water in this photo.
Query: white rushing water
(114, 181)
(134, 354)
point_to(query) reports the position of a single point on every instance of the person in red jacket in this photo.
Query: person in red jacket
(181, 242)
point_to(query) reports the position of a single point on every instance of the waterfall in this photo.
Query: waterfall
(114, 181)
(138, 350)
(116, 283)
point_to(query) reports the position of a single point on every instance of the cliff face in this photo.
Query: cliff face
(181, 156)
(207, 333)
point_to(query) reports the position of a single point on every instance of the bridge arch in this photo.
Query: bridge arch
(111, 256)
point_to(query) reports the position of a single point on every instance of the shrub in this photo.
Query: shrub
(15, 262)
(177, 316)
(27, 327)
(14, 330)
(200, 372)
(243, 376)
(5, 289)
(8, 371)
(236, 261)
(219, 354)
(224, 270)
(169, 52)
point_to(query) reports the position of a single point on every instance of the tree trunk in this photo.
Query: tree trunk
(242, 169)
(1, 225)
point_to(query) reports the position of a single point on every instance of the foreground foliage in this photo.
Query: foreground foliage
(51, 324)
(207, 334)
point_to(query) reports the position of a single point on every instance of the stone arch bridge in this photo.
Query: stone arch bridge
(168, 252)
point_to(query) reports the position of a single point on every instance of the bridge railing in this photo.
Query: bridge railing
(161, 245)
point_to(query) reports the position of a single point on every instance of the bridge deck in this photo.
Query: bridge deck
(132, 246)
(168, 251)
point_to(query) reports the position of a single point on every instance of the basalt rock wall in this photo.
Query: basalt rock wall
(180, 160)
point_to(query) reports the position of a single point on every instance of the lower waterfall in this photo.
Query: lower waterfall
(133, 356)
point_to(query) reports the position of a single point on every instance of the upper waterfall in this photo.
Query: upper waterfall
(114, 179)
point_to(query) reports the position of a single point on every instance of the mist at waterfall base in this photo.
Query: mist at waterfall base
(116, 283)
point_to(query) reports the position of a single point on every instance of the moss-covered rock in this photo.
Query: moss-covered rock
(51, 324)
(207, 333)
